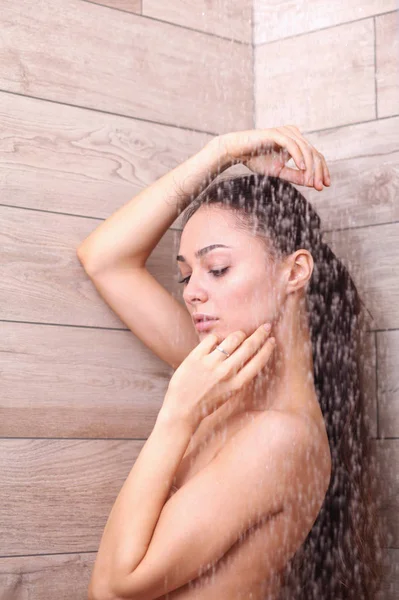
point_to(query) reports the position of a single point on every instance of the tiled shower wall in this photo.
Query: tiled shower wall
(97, 100)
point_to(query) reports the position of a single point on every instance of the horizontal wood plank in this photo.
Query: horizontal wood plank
(388, 383)
(363, 160)
(78, 382)
(149, 69)
(42, 278)
(64, 489)
(226, 18)
(62, 576)
(386, 453)
(371, 256)
(80, 161)
(387, 55)
(280, 19)
(133, 6)
(317, 89)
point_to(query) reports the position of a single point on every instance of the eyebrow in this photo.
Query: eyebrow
(203, 251)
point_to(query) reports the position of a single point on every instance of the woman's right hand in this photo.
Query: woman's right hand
(266, 152)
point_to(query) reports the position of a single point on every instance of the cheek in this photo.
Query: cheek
(249, 298)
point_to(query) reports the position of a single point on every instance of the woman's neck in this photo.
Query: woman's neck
(287, 381)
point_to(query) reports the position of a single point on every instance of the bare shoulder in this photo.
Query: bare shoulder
(296, 442)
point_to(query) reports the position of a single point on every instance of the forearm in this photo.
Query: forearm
(135, 513)
(133, 231)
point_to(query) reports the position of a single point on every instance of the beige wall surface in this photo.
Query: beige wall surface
(97, 100)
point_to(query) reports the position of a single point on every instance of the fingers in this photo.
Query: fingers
(241, 348)
(252, 368)
(317, 173)
(206, 345)
(292, 145)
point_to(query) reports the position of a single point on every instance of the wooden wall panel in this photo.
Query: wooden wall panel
(371, 255)
(42, 278)
(129, 72)
(226, 18)
(46, 577)
(363, 161)
(391, 584)
(79, 161)
(56, 495)
(387, 55)
(388, 383)
(329, 83)
(78, 382)
(280, 19)
(133, 6)
(387, 456)
(369, 355)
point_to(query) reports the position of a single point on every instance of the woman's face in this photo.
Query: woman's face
(246, 292)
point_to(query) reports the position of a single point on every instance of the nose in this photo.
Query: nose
(194, 292)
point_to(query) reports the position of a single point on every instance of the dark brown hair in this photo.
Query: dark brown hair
(342, 556)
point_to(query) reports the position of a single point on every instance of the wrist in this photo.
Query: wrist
(216, 150)
(172, 418)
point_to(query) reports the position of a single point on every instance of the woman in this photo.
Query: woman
(281, 425)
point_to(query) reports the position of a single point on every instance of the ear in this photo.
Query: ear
(300, 268)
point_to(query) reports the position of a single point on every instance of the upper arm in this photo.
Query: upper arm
(246, 483)
(149, 310)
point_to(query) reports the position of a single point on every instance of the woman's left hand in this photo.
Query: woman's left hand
(207, 377)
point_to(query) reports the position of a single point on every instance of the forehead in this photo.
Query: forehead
(211, 226)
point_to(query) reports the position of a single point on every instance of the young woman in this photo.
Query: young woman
(256, 481)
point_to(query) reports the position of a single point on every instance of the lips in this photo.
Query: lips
(205, 325)
(200, 317)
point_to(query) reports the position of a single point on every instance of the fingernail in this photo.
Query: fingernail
(267, 326)
(303, 166)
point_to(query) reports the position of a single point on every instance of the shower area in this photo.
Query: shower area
(97, 100)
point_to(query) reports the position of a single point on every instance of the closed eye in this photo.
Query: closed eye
(215, 272)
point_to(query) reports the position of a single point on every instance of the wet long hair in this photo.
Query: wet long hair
(342, 556)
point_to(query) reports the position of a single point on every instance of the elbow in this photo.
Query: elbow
(80, 253)
(101, 592)
(84, 260)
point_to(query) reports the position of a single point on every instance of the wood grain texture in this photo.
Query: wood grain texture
(119, 64)
(371, 256)
(227, 18)
(363, 161)
(328, 83)
(388, 383)
(56, 495)
(78, 382)
(79, 161)
(368, 360)
(42, 278)
(46, 577)
(133, 6)
(386, 453)
(387, 54)
(391, 583)
(280, 19)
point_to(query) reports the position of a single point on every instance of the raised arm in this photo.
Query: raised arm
(115, 253)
